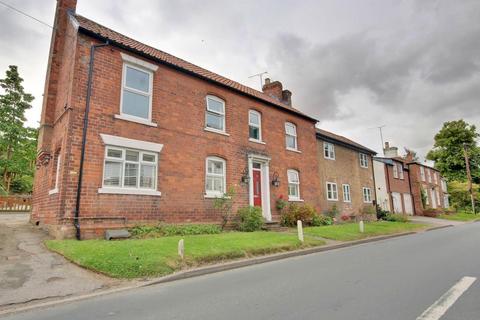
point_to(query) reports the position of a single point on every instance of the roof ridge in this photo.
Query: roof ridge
(108, 33)
(343, 139)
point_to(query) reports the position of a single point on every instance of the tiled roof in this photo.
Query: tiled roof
(163, 57)
(343, 140)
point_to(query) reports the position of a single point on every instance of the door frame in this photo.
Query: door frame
(265, 186)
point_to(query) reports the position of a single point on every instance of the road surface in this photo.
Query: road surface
(398, 278)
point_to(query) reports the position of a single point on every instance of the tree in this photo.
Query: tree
(448, 152)
(14, 137)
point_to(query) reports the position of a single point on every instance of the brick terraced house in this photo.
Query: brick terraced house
(427, 183)
(392, 182)
(346, 174)
(130, 134)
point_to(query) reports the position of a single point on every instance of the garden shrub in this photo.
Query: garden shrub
(381, 214)
(432, 213)
(294, 212)
(321, 220)
(333, 212)
(395, 217)
(249, 219)
(174, 230)
(281, 203)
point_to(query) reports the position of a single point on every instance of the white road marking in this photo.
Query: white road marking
(438, 309)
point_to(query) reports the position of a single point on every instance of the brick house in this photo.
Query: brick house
(427, 182)
(392, 182)
(130, 134)
(346, 174)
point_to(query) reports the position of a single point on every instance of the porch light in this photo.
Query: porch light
(245, 176)
(275, 180)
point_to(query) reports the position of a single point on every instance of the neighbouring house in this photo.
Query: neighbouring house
(392, 182)
(130, 134)
(429, 188)
(346, 175)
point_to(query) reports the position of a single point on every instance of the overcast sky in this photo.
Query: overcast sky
(354, 65)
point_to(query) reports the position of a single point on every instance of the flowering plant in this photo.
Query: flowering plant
(281, 203)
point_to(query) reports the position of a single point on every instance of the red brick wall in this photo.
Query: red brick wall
(179, 111)
(418, 184)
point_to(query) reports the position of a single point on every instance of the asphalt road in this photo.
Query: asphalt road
(392, 279)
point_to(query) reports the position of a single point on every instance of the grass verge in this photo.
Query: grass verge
(158, 256)
(460, 216)
(350, 231)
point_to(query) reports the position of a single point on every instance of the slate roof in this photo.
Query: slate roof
(335, 138)
(92, 28)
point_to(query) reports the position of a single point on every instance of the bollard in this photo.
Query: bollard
(300, 230)
(181, 248)
(362, 226)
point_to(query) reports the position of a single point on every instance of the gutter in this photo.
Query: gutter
(76, 220)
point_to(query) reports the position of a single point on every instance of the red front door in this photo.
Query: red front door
(257, 188)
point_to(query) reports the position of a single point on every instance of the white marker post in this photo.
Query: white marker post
(300, 230)
(181, 248)
(362, 226)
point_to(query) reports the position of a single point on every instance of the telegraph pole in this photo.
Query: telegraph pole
(469, 177)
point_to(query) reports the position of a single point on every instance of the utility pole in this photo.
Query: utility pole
(260, 75)
(469, 177)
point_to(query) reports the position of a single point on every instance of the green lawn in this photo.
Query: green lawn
(460, 216)
(158, 256)
(350, 231)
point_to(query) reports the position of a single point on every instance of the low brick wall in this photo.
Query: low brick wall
(15, 204)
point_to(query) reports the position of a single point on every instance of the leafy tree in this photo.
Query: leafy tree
(16, 142)
(448, 153)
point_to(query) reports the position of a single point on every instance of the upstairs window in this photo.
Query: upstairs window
(215, 114)
(129, 168)
(367, 195)
(429, 176)
(332, 192)
(136, 92)
(57, 173)
(435, 177)
(329, 150)
(346, 193)
(215, 180)
(254, 125)
(400, 171)
(395, 171)
(422, 173)
(293, 185)
(291, 136)
(363, 160)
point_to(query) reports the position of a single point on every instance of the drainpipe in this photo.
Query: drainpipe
(76, 221)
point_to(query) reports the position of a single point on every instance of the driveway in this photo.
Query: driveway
(28, 271)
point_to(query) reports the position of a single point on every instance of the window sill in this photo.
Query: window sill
(129, 191)
(333, 159)
(216, 131)
(363, 167)
(256, 141)
(53, 191)
(332, 199)
(369, 202)
(214, 196)
(295, 200)
(347, 201)
(294, 150)
(134, 119)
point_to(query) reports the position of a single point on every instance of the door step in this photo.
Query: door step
(274, 226)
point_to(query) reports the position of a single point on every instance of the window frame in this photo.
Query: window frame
(259, 126)
(395, 170)
(336, 191)
(213, 193)
(224, 114)
(57, 174)
(400, 171)
(363, 160)
(296, 184)
(294, 135)
(422, 173)
(328, 150)
(123, 161)
(124, 87)
(369, 193)
(349, 200)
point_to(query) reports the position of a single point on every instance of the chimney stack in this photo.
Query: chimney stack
(390, 152)
(275, 90)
